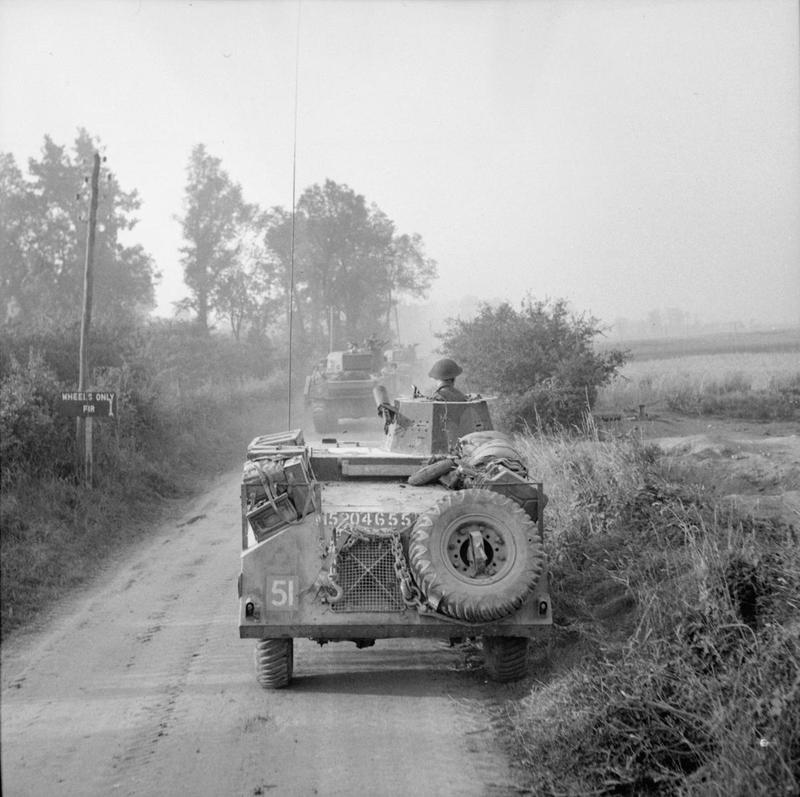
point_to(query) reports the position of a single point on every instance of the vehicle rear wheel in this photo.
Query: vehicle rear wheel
(274, 662)
(476, 555)
(505, 657)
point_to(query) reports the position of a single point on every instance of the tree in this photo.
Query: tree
(349, 263)
(15, 225)
(246, 290)
(43, 243)
(411, 273)
(540, 358)
(278, 238)
(215, 215)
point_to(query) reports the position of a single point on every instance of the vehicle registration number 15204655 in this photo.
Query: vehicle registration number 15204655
(376, 520)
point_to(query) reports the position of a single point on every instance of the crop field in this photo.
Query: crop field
(751, 381)
(646, 381)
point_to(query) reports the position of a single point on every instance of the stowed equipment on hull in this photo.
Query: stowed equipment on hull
(439, 534)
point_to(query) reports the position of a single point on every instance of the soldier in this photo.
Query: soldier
(445, 372)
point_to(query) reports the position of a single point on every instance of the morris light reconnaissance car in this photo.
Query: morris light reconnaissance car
(437, 534)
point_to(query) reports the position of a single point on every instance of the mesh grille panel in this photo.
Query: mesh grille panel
(367, 578)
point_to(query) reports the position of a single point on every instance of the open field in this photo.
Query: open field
(753, 378)
(647, 381)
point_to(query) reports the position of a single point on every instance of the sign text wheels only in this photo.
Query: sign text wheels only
(88, 404)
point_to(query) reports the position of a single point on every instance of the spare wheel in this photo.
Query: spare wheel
(476, 555)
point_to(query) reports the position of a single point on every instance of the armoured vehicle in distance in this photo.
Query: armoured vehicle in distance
(400, 368)
(340, 386)
(436, 534)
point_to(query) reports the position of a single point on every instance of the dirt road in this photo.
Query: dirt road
(141, 686)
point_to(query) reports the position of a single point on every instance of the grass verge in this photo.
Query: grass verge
(686, 619)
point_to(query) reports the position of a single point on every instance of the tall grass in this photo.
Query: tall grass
(688, 625)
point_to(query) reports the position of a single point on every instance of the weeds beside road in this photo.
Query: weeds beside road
(677, 654)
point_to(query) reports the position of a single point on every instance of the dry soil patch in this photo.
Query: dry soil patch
(753, 466)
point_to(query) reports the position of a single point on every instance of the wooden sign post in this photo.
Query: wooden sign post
(84, 426)
(86, 405)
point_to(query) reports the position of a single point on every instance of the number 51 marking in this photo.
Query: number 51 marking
(281, 593)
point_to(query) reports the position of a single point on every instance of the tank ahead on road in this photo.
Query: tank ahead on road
(340, 386)
(437, 534)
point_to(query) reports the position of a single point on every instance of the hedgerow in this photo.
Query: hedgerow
(187, 404)
(34, 439)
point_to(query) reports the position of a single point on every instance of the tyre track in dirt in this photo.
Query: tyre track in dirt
(141, 686)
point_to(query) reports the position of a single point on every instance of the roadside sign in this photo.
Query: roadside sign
(88, 404)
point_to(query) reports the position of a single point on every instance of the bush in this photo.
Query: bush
(33, 438)
(540, 358)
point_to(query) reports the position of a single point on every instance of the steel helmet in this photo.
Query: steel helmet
(445, 369)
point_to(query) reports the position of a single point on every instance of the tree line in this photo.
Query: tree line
(331, 269)
(340, 259)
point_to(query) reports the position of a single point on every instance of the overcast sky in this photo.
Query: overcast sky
(624, 155)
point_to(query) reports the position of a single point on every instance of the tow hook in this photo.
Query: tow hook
(338, 593)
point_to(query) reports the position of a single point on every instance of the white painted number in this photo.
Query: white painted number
(281, 592)
(391, 520)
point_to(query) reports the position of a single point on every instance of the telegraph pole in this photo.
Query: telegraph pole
(84, 435)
